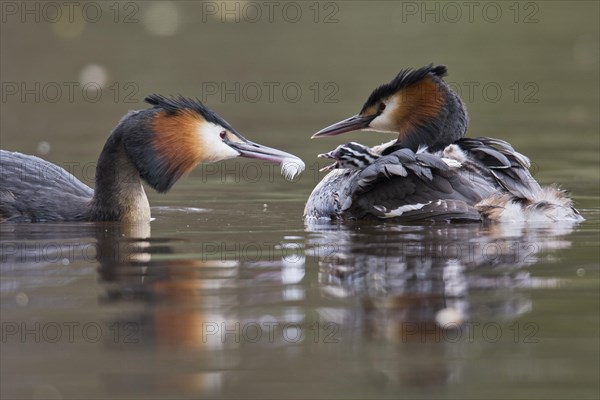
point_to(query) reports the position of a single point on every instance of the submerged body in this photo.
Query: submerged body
(431, 172)
(157, 145)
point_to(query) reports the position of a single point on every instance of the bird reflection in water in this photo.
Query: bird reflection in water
(139, 271)
(387, 289)
(174, 290)
(192, 299)
(430, 284)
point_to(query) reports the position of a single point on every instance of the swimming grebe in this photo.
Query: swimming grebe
(157, 145)
(431, 172)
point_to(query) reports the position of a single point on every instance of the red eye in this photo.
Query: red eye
(223, 134)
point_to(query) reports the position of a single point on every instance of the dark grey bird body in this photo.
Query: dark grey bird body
(431, 172)
(64, 198)
(411, 186)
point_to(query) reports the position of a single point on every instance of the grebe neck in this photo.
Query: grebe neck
(119, 194)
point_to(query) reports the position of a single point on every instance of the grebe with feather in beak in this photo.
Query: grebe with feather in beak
(157, 145)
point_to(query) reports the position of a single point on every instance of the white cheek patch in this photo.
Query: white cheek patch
(382, 123)
(385, 121)
(213, 147)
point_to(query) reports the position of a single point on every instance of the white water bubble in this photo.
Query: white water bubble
(43, 148)
(162, 18)
(93, 76)
(22, 299)
(449, 317)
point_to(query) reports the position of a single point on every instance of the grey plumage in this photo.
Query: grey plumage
(46, 192)
(455, 184)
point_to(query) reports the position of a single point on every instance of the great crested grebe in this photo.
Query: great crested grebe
(431, 172)
(157, 145)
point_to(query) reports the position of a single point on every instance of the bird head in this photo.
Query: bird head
(176, 134)
(417, 105)
(350, 156)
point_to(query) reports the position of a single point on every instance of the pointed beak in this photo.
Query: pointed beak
(253, 150)
(353, 123)
(328, 167)
(291, 166)
(326, 155)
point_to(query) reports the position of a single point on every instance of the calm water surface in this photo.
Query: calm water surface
(240, 299)
(229, 294)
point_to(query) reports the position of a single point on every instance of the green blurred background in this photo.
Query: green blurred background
(528, 71)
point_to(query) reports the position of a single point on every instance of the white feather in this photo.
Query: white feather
(400, 210)
(292, 167)
(454, 152)
(451, 163)
(422, 148)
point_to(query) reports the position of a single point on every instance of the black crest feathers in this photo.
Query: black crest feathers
(174, 105)
(405, 78)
